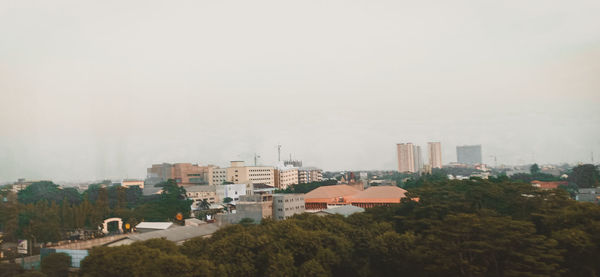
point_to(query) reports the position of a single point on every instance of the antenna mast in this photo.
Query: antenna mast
(279, 152)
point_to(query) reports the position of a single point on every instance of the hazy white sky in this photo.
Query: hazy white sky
(103, 89)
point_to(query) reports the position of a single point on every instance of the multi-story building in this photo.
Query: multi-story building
(434, 151)
(406, 157)
(217, 175)
(239, 173)
(200, 193)
(287, 205)
(285, 176)
(233, 191)
(254, 207)
(418, 158)
(185, 174)
(126, 183)
(309, 175)
(469, 154)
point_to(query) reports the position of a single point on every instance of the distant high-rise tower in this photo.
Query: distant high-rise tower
(406, 157)
(468, 154)
(418, 158)
(434, 151)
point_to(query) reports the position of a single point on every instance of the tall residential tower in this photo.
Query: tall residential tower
(434, 151)
(406, 157)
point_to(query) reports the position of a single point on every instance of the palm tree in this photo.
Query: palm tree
(204, 205)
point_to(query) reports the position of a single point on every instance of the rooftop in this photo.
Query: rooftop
(344, 210)
(379, 194)
(329, 193)
(154, 225)
(177, 234)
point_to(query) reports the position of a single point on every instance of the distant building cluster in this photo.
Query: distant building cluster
(280, 176)
(410, 159)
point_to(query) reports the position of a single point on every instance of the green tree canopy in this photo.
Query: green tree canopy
(56, 265)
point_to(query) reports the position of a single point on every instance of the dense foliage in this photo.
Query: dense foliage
(458, 228)
(56, 265)
(304, 188)
(47, 213)
(585, 176)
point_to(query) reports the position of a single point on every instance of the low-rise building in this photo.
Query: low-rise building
(233, 191)
(287, 205)
(588, 195)
(254, 207)
(201, 193)
(144, 227)
(548, 185)
(127, 183)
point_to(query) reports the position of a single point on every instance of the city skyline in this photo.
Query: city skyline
(100, 90)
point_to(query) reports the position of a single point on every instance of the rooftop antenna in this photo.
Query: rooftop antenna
(279, 153)
(592, 157)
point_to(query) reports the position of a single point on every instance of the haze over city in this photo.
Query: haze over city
(91, 91)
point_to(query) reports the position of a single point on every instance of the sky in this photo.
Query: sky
(103, 89)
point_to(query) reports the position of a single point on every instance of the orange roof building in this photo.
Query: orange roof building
(322, 197)
(325, 197)
(548, 185)
(378, 196)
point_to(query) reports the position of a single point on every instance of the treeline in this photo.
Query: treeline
(47, 213)
(458, 228)
(304, 188)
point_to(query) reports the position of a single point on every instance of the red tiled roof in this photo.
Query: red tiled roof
(379, 194)
(330, 194)
(548, 185)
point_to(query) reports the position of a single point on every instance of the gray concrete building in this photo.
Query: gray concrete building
(469, 154)
(287, 205)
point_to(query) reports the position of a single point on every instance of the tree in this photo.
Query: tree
(204, 204)
(585, 176)
(227, 200)
(56, 265)
(534, 169)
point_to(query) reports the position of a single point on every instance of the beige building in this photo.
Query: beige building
(406, 157)
(286, 176)
(239, 173)
(434, 151)
(126, 183)
(287, 205)
(217, 175)
(200, 193)
(309, 175)
(185, 174)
